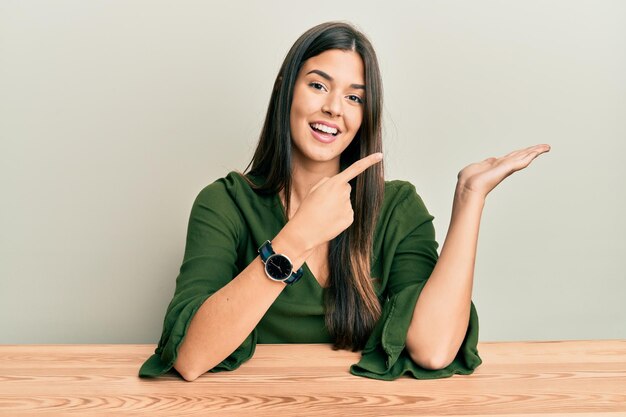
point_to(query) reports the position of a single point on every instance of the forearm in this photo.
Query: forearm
(228, 316)
(441, 314)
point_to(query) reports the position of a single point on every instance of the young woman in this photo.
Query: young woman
(312, 245)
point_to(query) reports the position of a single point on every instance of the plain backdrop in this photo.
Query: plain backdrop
(115, 114)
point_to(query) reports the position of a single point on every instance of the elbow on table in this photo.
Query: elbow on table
(432, 362)
(187, 374)
(189, 377)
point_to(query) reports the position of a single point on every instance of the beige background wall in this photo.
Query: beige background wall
(114, 115)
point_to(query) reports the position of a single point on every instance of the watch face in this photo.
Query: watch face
(278, 267)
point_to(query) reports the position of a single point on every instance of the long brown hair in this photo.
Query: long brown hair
(352, 306)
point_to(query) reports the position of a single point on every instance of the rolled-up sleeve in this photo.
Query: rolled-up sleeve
(209, 263)
(410, 258)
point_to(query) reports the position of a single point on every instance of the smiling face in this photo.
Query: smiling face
(327, 106)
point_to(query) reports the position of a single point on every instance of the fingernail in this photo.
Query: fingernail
(379, 156)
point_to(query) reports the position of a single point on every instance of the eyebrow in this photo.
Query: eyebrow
(329, 78)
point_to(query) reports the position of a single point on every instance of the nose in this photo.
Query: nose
(333, 106)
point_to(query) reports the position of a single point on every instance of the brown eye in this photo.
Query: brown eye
(317, 86)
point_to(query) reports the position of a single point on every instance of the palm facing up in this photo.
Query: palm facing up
(482, 177)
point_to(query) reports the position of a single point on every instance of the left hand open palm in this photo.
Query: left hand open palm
(482, 177)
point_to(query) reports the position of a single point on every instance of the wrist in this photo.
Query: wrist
(292, 245)
(465, 195)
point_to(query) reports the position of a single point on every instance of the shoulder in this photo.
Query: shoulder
(403, 218)
(224, 190)
(221, 200)
(402, 198)
(233, 195)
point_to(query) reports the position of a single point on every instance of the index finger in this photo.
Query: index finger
(359, 166)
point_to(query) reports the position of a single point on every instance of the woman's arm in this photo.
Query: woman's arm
(441, 314)
(442, 310)
(227, 317)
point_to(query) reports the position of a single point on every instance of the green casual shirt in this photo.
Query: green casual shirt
(229, 222)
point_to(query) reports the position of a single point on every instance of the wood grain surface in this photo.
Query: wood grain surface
(561, 378)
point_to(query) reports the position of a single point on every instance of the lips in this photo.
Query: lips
(322, 136)
(326, 127)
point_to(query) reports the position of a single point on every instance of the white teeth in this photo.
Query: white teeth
(324, 128)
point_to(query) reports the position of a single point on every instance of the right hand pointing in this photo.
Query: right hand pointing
(326, 211)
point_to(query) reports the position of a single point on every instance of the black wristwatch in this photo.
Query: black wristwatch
(278, 267)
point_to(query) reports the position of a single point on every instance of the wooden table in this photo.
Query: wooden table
(577, 378)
